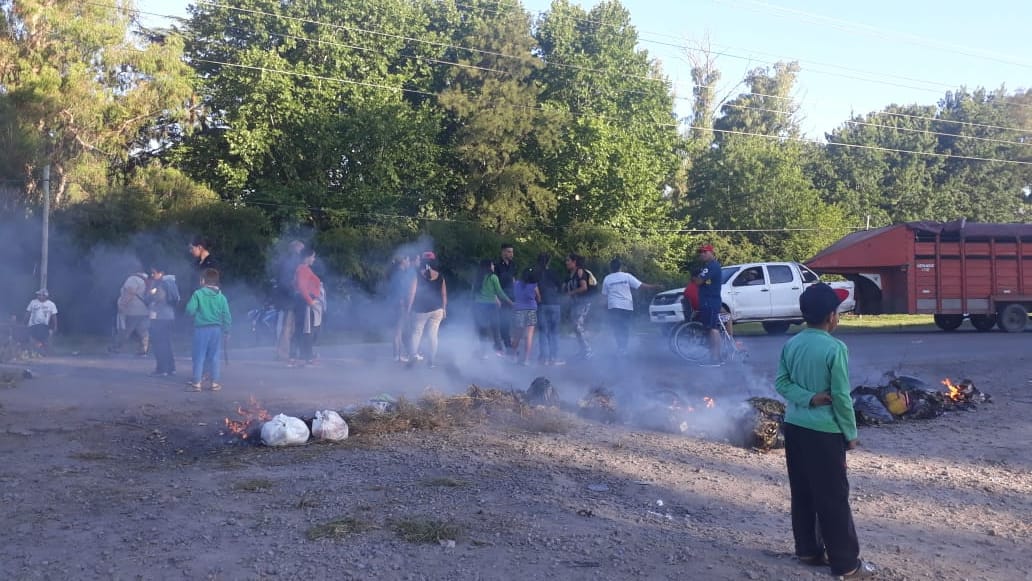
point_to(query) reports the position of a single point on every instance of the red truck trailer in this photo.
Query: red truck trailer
(950, 270)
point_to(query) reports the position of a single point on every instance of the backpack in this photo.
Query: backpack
(592, 281)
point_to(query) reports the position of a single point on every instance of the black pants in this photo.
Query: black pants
(820, 496)
(305, 341)
(161, 345)
(621, 320)
(503, 339)
(485, 317)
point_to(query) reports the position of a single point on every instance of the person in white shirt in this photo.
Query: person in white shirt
(41, 319)
(617, 287)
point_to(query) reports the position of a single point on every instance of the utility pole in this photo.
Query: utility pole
(46, 228)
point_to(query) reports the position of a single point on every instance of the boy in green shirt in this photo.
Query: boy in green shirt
(820, 425)
(210, 311)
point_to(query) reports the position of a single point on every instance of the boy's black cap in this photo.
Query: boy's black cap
(819, 301)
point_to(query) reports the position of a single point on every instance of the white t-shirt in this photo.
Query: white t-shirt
(40, 312)
(617, 289)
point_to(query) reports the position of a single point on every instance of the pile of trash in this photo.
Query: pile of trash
(904, 397)
(386, 414)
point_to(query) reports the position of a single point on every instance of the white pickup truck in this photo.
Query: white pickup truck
(761, 292)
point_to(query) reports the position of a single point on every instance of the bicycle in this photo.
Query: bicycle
(691, 341)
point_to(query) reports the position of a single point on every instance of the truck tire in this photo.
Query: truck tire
(776, 327)
(983, 323)
(1013, 318)
(948, 322)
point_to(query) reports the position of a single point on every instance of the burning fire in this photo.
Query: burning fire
(709, 402)
(251, 414)
(955, 393)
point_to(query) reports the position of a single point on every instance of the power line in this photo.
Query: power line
(497, 54)
(871, 147)
(425, 93)
(545, 61)
(860, 28)
(893, 127)
(674, 125)
(680, 45)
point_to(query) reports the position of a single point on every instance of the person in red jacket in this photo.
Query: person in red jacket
(309, 311)
(690, 301)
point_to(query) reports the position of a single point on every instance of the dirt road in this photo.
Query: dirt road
(109, 474)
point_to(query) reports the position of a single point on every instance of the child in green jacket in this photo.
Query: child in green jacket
(820, 425)
(210, 311)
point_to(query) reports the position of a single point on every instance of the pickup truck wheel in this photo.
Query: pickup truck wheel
(776, 327)
(948, 322)
(1013, 318)
(983, 322)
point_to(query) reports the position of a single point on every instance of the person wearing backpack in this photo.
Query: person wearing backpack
(578, 288)
(162, 299)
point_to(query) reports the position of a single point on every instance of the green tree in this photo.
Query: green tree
(77, 85)
(618, 144)
(767, 108)
(306, 117)
(493, 121)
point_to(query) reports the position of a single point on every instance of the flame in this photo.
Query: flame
(251, 414)
(955, 393)
(709, 402)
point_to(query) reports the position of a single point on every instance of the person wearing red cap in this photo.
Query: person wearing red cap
(820, 426)
(709, 280)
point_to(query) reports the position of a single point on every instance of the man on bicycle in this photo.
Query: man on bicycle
(709, 281)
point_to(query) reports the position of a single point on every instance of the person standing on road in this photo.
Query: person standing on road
(617, 287)
(41, 320)
(133, 314)
(309, 307)
(200, 250)
(578, 289)
(286, 299)
(506, 271)
(820, 426)
(398, 284)
(524, 315)
(212, 319)
(709, 281)
(162, 300)
(548, 312)
(487, 301)
(428, 303)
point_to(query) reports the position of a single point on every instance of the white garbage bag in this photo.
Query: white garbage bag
(284, 430)
(328, 425)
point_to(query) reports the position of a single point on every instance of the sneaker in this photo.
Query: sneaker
(558, 362)
(403, 359)
(192, 386)
(418, 357)
(292, 363)
(863, 571)
(158, 374)
(216, 387)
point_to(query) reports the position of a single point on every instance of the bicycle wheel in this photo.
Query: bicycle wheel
(691, 342)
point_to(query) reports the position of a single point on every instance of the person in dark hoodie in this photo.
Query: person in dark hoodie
(210, 311)
(163, 297)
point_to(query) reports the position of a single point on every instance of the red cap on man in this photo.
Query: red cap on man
(705, 248)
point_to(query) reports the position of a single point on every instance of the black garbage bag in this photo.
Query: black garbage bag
(869, 410)
(542, 392)
(925, 405)
(760, 426)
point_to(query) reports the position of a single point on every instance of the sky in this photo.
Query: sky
(856, 57)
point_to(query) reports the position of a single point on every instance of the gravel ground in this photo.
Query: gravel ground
(108, 475)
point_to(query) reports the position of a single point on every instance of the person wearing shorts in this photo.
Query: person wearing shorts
(526, 297)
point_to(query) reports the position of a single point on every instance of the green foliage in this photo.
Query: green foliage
(78, 87)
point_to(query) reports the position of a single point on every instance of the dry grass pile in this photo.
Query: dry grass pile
(435, 410)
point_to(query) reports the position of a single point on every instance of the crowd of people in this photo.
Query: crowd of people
(512, 308)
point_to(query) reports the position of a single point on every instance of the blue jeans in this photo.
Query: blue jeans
(548, 325)
(207, 352)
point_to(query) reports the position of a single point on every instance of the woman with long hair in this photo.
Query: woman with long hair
(488, 299)
(428, 302)
(524, 314)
